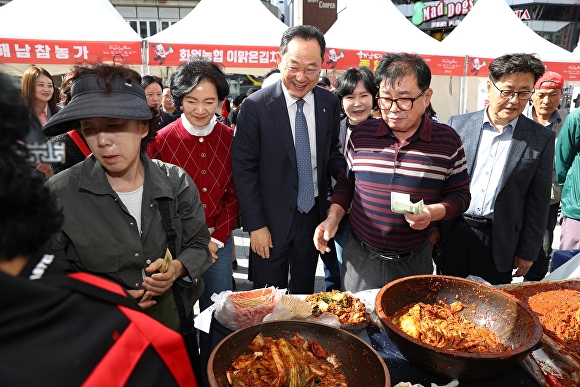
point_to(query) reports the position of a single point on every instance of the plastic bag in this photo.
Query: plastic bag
(241, 309)
(327, 319)
(290, 308)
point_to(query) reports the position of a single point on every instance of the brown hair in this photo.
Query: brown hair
(29, 79)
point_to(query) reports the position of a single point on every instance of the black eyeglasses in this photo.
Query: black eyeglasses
(404, 104)
(509, 94)
(308, 72)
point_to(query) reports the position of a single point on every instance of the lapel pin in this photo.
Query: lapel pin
(324, 110)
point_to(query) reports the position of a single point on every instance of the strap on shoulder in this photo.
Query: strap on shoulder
(166, 219)
(73, 134)
(163, 205)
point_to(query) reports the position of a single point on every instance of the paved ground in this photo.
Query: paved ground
(242, 243)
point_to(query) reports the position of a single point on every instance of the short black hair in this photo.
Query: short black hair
(149, 79)
(273, 70)
(347, 81)
(29, 212)
(394, 67)
(188, 75)
(304, 33)
(251, 91)
(516, 63)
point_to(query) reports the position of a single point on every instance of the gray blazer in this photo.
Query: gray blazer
(523, 199)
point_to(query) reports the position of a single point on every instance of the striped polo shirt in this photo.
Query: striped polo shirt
(430, 166)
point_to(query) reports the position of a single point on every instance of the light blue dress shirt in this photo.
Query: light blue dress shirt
(491, 157)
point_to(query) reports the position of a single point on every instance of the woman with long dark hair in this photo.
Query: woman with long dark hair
(40, 96)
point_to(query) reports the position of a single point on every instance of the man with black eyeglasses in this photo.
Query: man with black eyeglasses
(404, 152)
(510, 160)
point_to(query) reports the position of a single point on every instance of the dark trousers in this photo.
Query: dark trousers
(540, 268)
(331, 268)
(292, 265)
(331, 265)
(468, 251)
(190, 339)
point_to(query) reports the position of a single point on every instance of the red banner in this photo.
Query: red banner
(570, 71)
(64, 52)
(228, 56)
(339, 59)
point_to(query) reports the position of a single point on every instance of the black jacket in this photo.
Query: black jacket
(52, 333)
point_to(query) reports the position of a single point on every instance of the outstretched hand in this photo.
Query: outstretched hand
(420, 221)
(322, 234)
(158, 283)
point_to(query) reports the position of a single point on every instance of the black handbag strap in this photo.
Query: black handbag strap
(166, 219)
(171, 236)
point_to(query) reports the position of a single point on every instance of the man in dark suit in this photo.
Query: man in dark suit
(509, 159)
(282, 188)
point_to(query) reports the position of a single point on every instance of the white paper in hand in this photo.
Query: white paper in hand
(401, 203)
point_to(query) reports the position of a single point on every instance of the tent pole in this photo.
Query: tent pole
(463, 88)
(144, 55)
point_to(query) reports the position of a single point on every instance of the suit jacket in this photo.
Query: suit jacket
(264, 158)
(523, 199)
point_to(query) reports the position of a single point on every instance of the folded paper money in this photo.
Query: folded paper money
(166, 261)
(401, 203)
(164, 267)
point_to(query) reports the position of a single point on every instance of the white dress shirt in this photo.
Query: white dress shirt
(310, 121)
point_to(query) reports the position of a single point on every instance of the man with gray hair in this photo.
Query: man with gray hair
(510, 160)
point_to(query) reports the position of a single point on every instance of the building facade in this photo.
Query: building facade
(557, 22)
(148, 17)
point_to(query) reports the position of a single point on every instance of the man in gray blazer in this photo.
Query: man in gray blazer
(509, 159)
(286, 144)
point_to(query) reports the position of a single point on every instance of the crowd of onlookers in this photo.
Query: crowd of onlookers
(308, 168)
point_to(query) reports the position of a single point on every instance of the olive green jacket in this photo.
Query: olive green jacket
(99, 235)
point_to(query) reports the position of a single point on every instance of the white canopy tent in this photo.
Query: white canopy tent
(249, 46)
(56, 34)
(492, 29)
(378, 25)
(366, 29)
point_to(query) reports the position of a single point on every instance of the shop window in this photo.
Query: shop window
(144, 28)
(147, 28)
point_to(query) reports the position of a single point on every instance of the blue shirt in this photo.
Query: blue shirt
(491, 156)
